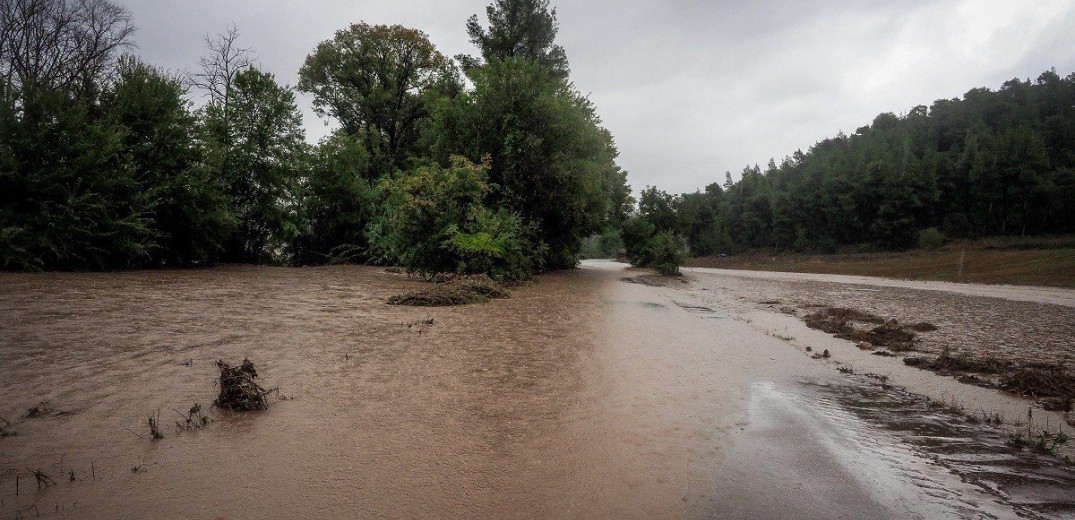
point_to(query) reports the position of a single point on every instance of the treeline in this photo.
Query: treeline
(992, 163)
(107, 162)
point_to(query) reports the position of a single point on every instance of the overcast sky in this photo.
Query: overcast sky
(690, 89)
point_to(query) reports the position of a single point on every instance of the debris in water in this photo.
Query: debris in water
(840, 322)
(451, 289)
(40, 409)
(154, 426)
(238, 390)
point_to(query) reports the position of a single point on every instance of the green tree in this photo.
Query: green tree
(257, 148)
(378, 81)
(518, 29)
(339, 201)
(435, 221)
(550, 161)
(190, 215)
(68, 197)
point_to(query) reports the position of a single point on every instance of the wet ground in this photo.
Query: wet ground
(582, 396)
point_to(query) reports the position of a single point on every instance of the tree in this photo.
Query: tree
(518, 29)
(190, 215)
(67, 45)
(339, 202)
(68, 197)
(378, 81)
(436, 222)
(550, 161)
(256, 147)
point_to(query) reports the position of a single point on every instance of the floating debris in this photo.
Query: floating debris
(238, 390)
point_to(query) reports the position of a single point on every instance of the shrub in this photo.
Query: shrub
(664, 252)
(930, 239)
(435, 222)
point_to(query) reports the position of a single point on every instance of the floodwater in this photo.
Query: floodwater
(582, 396)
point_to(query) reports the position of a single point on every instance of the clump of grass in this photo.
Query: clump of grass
(1044, 442)
(449, 289)
(193, 420)
(154, 426)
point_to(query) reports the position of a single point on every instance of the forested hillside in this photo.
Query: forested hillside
(108, 162)
(992, 163)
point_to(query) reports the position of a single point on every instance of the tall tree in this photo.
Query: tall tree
(519, 29)
(190, 215)
(68, 199)
(378, 81)
(61, 44)
(259, 152)
(550, 160)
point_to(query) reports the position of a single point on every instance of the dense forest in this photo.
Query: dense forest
(992, 163)
(491, 163)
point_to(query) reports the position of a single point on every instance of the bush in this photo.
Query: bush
(930, 239)
(435, 222)
(664, 252)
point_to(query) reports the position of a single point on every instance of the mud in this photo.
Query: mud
(1018, 324)
(580, 397)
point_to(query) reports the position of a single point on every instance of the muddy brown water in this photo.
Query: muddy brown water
(581, 396)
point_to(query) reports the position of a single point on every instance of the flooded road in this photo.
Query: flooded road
(582, 396)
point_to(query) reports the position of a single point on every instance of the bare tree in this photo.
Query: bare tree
(61, 43)
(219, 67)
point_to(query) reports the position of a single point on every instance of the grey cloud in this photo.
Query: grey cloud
(691, 89)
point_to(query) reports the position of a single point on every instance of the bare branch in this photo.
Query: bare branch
(61, 43)
(219, 67)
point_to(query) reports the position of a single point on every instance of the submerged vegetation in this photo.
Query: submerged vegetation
(491, 164)
(453, 290)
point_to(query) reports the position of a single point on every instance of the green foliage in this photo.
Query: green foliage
(993, 163)
(649, 246)
(103, 164)
(68, 197)
(664, 252)
(255, 145)
(378, 82)
(435, 222)
(604, 245)
(338, 203)
(518, 29)
(550, 161)
(190, 215)
(930, 239)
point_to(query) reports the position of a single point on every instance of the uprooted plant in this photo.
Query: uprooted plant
(154, 425)
(238, 390)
